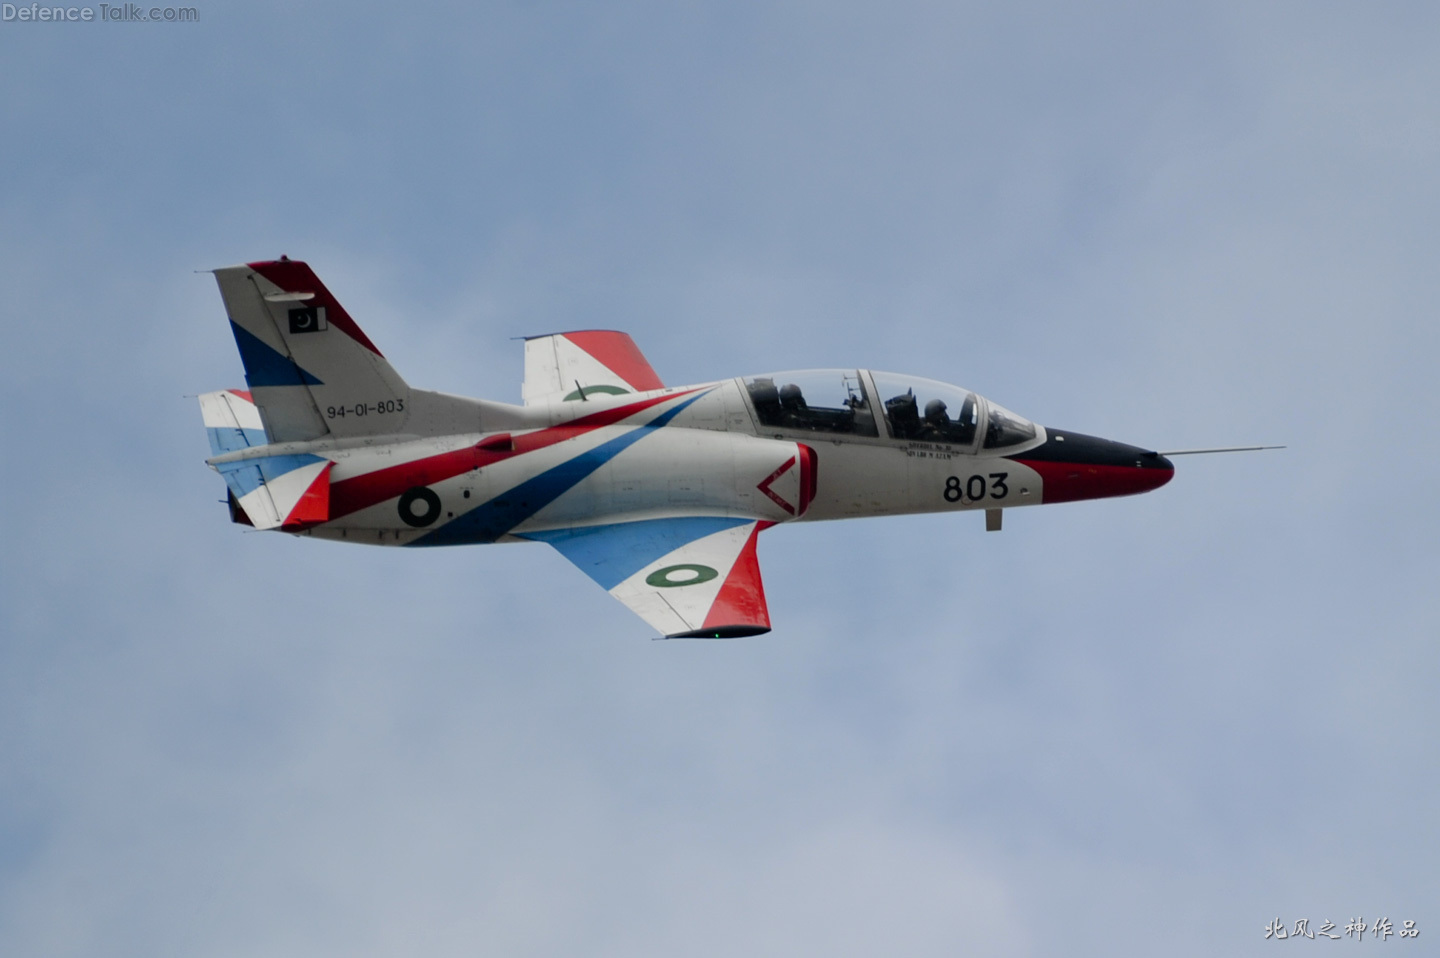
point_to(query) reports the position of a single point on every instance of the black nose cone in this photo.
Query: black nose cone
(1075, 466)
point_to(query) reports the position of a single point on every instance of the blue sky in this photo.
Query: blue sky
(1126, 725)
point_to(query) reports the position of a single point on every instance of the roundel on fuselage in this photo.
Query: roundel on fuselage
(419, 507)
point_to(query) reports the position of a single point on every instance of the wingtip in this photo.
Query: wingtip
(722, 632)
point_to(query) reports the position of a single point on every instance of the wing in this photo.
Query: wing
(568, 366)
(691, 577)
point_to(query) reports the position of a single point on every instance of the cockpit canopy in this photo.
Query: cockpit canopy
(912, 408)
(816, 400)
(923, 409)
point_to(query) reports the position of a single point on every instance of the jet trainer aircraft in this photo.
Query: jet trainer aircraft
(656, 492)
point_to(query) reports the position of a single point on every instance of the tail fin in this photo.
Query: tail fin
(311, 369)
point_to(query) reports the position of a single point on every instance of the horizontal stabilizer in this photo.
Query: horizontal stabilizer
(281, 492)
(687, 576)
(231, 421)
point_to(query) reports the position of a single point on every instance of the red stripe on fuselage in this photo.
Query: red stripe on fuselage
(618, 353)
(1072, 481)
(361, 492)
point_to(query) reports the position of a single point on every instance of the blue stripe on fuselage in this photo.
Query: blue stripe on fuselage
(490, 520)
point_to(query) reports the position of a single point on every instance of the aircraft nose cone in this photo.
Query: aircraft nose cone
(1158, 470)
(1075, 466)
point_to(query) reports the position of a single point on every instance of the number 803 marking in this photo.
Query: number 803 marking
(975, 488)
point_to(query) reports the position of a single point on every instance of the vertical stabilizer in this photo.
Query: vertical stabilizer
(312, 371)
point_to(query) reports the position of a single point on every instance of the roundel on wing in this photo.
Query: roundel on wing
(674, 576)
(419, 507)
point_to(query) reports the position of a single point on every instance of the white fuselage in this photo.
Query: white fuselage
(712, 456)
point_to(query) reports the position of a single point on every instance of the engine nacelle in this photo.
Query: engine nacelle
(701, 470)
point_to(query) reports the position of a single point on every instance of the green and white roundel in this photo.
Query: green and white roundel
(684, 575)
(675, 576)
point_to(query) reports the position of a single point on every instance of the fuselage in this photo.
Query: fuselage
(809, 445)
(658, 494)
